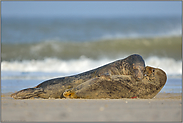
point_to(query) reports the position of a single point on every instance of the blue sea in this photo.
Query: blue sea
(37, 49)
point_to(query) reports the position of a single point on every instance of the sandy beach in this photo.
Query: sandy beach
(163, 107)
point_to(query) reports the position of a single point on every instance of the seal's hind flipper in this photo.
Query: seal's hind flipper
(27, 93)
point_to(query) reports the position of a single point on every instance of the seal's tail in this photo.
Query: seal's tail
(27, 93)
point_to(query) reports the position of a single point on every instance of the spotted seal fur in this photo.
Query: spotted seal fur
(133, 65)
(120, 86)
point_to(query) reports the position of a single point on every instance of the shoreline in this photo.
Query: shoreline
(162, 95)
(163, 107)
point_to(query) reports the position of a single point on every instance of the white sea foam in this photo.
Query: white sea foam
(169, 65)
(53, 65)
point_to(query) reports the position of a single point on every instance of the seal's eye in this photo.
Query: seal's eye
(153, 70)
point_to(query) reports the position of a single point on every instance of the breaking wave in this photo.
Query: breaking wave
(73, 66)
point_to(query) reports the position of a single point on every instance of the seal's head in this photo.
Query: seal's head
(137, 66)
(155, 74)
(152, 83)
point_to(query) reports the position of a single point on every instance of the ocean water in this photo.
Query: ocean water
(36, 49)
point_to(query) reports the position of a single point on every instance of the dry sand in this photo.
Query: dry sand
(164, 107)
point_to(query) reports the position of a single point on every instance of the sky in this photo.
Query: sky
(90, 8)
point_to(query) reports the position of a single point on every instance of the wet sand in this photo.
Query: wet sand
(163, 107)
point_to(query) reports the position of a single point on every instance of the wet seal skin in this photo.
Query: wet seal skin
(120, 86)
(133, 66)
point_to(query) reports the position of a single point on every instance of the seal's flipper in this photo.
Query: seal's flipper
(69, 93)
(80, 90)
(27, 93)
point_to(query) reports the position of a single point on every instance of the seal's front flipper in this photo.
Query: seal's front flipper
(82, 90)
(69, 93)
(27, 93)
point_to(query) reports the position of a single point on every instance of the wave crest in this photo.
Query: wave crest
(74, 66)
